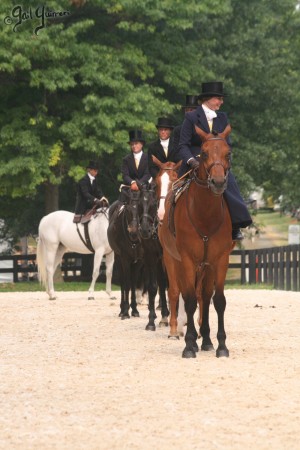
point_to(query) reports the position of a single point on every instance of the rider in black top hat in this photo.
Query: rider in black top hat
(162, 147)
(135, 171)
(89, 194)
(191, 103)
(208, 117)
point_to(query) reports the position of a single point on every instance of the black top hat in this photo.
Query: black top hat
(136, 136)
(191, 101)
(212, 89)
(164, 122)
(92, 165)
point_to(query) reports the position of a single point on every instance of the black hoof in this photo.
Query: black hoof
(195, 347)
(188, 353)
(150, 327)
(207, 348)
(135, 314)
(221, 353)
(125, 316)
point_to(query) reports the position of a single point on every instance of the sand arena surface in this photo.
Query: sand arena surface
(74, 376)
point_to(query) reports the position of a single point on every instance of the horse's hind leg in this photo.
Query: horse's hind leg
(109, 262)
(96, 270)
(181, 318)
(51, 259)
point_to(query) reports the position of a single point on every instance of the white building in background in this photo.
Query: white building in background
(257, 196)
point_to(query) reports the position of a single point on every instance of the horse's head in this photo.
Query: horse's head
(133, 225)
(168, 173)
(214, 160)
(147, 211)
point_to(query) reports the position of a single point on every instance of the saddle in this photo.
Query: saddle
(84, 220)
(86, 217)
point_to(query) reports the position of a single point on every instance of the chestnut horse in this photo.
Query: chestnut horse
(197, 254)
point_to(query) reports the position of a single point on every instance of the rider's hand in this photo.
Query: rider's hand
(134, 186)
(193, 163)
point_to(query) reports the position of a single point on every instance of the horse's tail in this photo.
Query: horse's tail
(40, 258)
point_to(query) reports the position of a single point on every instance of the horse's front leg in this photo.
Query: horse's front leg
(162, 286)
(191, 346)
(135, 272)
(204, 304)
(220, 306)
(152, 291)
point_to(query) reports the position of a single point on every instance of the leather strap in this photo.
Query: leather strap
(87, 241)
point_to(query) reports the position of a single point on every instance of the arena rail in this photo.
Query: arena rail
(275, 266)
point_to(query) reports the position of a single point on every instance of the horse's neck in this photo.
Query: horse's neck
(205, 203)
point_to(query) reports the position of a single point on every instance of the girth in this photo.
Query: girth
(87, 241)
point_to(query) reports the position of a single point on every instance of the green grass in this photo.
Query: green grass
(33, 286)
(274, 219)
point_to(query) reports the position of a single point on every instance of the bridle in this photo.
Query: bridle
(208, 181)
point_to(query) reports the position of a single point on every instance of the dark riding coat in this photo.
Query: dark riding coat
(190, 146)
(156, 149)
(130, 173)
(87, 192)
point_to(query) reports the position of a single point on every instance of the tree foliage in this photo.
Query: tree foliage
(72, 91)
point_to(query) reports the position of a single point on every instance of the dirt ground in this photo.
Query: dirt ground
(75, 376)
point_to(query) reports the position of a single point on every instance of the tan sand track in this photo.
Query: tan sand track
(75, 376)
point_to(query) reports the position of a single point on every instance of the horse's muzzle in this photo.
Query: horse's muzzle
(218, 185)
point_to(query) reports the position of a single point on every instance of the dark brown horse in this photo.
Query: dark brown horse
(197, 254)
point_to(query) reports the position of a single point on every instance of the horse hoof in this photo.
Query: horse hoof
(150, 327)
(135, 314)
(91, 298)
(163, 324)
(195, 347)
(207, 348)
(221, 353)
(188, 353)
(125, 316)
(174, 337)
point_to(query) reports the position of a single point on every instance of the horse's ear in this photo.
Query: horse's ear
(156, 161)
(226, 132)
(201, 133)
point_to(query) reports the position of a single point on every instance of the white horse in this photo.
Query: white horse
(58, 234)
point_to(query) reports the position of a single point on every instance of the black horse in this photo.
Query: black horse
(133, 237)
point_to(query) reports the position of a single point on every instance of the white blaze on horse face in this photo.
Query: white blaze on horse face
(163, 192)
